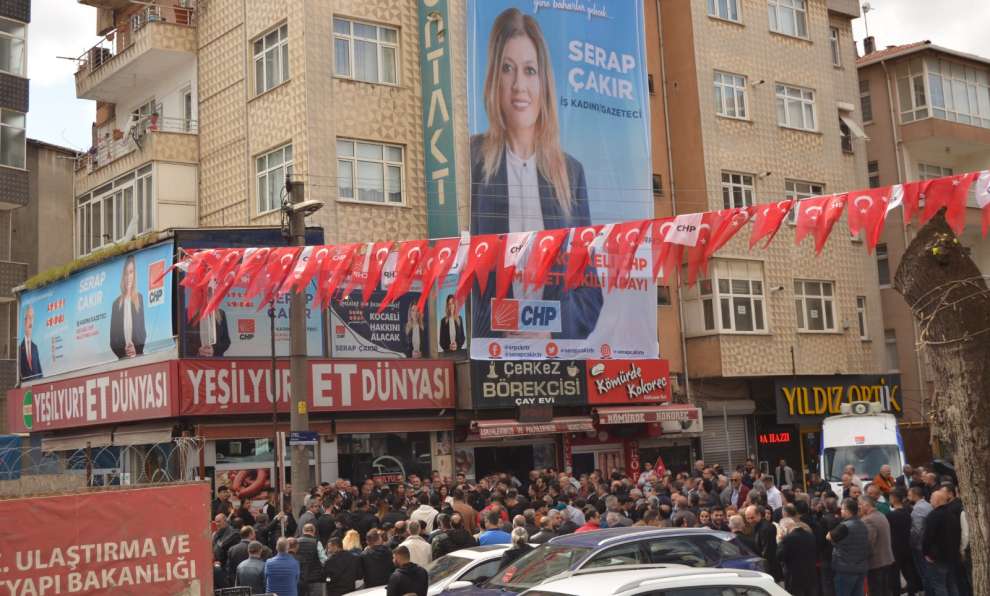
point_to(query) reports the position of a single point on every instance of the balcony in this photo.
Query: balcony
(148, 138)
(158, 39)
(11, 275)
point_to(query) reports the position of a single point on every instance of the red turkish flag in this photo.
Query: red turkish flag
(280, 265)
(910, 195)
(698, 254)
(546, 245)
(303, 271)
(729, 223)
(622, 244)
(332, 271)
(515, 251)
(949, 192)
(767, 221)
(482, 254)
(441, 260)
(411, 254)
(831, 214)
(200, 264)
(867, 213)
(252, 263)
(809, 213)
(377, 255)
(982, 196)
(225, 276)
(578, 255)
(658, 244)
(659, 468)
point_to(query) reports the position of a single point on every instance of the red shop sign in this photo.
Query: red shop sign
(125, 395)
(143, 541)
(244, 386)
(628, 381)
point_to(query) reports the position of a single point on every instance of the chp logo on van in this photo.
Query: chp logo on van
(525, 315)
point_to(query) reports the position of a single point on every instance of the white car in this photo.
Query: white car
(654, 580)
(469, 565)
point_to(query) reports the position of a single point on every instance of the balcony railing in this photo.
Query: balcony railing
(107, 150)
(114, 43)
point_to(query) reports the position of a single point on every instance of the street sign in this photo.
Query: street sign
(303, 437)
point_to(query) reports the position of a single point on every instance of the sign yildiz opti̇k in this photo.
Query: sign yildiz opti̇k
(113, 311)
(809, 399)
(558, 112)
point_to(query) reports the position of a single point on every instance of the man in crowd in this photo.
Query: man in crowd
(376, 561)
(420, 551)
(310, 563)
(493, 533)
(850, 551)
(282, 571)
(250, 572)
(408, 577)
(342, 569)
(881, 553)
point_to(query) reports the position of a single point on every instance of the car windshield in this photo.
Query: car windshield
(445, 567)
(538, 565)
(867, 459)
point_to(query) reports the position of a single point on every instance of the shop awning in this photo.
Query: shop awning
(73, 441)
(143, 434)
(347, 426)
(490, 429)
(647, 414)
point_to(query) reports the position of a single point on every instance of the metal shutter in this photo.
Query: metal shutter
(717, 448)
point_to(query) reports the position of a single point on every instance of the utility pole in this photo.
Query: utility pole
(299, 381)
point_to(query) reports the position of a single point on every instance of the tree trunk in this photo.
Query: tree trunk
(948, 296)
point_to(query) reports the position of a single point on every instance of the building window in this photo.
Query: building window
(927, 171)
(658, 185)
(795, 107)
(369, 172)
(724, 9)
(911, 90)
(813, 301)
(798, 190)
(663, 296)
(865, 101)
(116, 211)
(737, 190)
(864, 332)
(833, 42)
(845, 137)
(365, 52)
(731, 301)
(12, 138)
(271, 170)
(883, 265)
(12, 54)
(959, 93)
(890, 342)
(873, 173)
(788, 17)
(730, 95)
(271, 60)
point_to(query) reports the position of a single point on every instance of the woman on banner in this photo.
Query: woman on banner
(414, 333)
(521, 179)
(451, 327)
(127, 334)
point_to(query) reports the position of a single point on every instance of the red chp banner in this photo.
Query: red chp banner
(628, 381)
(144, 542)
(126, 395)
(244, 386)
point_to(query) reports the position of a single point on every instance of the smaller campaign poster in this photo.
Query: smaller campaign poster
(359, 331)
(451, 331)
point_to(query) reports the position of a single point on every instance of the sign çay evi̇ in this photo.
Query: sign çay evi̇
(809, 399)
(512, 383)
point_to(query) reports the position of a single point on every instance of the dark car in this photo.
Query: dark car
(695, 547)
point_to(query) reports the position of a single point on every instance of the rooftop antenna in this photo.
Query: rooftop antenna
(866, 23)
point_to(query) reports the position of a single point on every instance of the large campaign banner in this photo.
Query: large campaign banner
(559, 123)
(117, 310)
(141, 541)
(358, 330)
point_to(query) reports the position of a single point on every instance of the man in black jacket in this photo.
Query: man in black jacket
(311, 577)
(797, 554)
(940, 544)
(899, 520)
(408, 577)
(376, 561)
(546, 528)
(361, 519)
(223, 539)
(453, 539)
(765, 537)
(342, 569)
(239, 552)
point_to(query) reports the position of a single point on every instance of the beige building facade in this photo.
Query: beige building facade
(928, 116)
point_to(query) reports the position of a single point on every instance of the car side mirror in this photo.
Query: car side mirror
(460, 584)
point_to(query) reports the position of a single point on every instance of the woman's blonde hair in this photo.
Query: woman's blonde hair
(550, 160)
(132, 263)
(351, 541)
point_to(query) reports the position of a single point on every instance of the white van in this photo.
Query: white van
(861, 436)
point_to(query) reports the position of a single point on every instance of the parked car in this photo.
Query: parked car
(673, 580)
(470, 565)
(694, 547)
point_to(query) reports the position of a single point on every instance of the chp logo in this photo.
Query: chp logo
(156, 283)
(245, 329)
(606, 351)
(495, 349)
(552, 350)
(525, 315)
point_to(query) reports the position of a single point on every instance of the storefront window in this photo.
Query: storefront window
(389, 456)
(244, 451)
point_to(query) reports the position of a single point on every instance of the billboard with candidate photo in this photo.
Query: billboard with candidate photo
(559, 121)
(359, 330)
(117, 310)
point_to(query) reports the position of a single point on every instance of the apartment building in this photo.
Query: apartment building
(926, 110)
(762, 103)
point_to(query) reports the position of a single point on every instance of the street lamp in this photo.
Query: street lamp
(296, 208)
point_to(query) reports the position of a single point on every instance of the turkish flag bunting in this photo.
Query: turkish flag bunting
(949, 192)
(983, 197)
(411, 254)
(542, 254)
(661, 250)
(831, 214)
(332, 271)
(482, 253)
(767, 220)
(909, 196)
(727, 225)
(698, 254)
(200, 264)
(442, 258)
(226, 277)
(293, 282)
(623, 242)
(280, 264)
(867, 212)
(578, 254)
(809, 213)
(253, 261)
(377, 255)
(515, 250)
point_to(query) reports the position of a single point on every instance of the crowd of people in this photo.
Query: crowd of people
(894, 535)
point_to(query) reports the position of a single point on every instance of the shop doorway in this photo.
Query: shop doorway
(675, 458)
(514, 459)
(605, 458)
